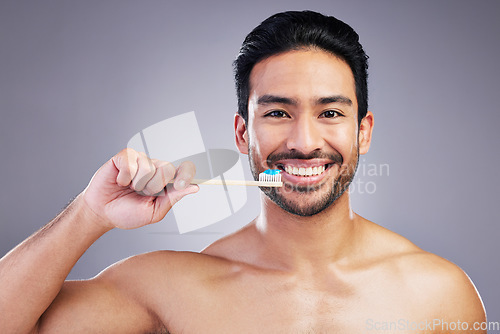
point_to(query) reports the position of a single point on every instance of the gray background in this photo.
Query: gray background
(79, 78)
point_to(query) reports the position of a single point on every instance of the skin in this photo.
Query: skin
(331, 272)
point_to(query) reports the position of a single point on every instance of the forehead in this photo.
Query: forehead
(302, 74)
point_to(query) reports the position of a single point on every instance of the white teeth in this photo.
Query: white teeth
(303, 171)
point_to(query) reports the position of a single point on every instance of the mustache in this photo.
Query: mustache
(274, 157)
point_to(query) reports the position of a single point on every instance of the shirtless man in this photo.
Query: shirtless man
(306, 264)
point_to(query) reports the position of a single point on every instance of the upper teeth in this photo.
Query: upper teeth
(304, 171)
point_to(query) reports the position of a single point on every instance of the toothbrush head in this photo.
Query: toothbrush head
(270, 175)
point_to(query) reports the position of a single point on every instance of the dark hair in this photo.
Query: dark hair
(294, 31)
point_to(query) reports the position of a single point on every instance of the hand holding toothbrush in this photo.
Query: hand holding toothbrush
(132, 190)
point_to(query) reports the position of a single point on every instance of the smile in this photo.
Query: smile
(304, 171)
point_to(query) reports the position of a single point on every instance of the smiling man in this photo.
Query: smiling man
(306, 264)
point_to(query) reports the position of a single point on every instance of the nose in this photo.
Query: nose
(305, 136)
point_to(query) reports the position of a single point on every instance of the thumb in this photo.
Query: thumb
(175, 195)
(172, 196)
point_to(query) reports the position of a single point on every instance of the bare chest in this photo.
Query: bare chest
(263, 305)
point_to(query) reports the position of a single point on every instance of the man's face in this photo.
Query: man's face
(302, 119)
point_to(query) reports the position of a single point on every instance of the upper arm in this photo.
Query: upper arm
(113, 302)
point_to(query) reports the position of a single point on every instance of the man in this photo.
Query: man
(306, 264)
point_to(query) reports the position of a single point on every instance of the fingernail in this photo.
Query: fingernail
(181, 184)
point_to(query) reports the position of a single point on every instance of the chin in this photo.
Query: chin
(303, 203)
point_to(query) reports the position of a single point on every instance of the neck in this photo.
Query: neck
(300, 243)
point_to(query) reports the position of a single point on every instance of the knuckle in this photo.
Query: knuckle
(145, 175)
(128, 152)
(189, 164)
(188, 169)
(168, 168)
(144, 155)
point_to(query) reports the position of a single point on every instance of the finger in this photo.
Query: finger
(164, 173)
(126, 164)
(185, 174)
(146, 170)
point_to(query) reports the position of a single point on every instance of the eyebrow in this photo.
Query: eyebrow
(335, 99)
(274, 99)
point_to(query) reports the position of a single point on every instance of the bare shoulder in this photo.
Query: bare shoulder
(138, 294)
(430, 280)
(443, 287)
(162, 262)
(163, 270)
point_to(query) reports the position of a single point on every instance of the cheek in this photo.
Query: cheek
(253, 144)
(343, 140)
(268, 141)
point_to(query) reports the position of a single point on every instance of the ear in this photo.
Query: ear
(241, 134)
(365, 133)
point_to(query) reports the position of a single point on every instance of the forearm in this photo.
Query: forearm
(32, 274)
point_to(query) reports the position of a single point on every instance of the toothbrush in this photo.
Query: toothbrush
(268, 178)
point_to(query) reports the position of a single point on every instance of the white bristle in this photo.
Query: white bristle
(269, 178)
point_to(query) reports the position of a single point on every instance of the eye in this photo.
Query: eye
(276, 114)
(331, 114)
